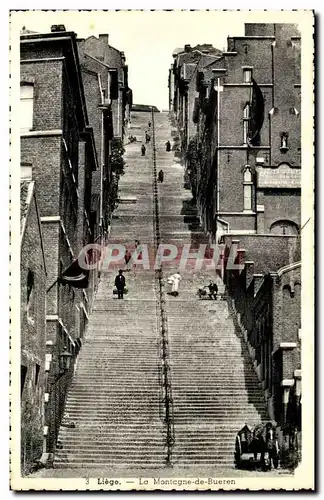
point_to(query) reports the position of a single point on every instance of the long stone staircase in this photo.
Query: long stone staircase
(117, 399)
(215, 390)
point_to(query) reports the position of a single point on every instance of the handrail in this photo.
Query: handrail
(166, 371)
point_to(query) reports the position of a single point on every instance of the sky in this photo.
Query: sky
(147, 38)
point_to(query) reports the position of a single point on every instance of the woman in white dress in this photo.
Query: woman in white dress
(175, 281)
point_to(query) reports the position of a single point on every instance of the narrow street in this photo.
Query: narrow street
(117, 400)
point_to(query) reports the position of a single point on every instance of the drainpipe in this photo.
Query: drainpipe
(217, 152)
(222, 251)
(102, 142)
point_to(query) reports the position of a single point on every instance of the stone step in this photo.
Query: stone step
(116, 396)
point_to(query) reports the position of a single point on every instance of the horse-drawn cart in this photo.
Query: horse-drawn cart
(257, 446)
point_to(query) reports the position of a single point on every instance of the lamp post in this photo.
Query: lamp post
(64, 359)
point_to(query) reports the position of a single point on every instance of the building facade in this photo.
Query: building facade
(247, 141)
(109, 102)
(239, 121)
(183, 74)
(266, 297)
(33, 323)
(58, 143)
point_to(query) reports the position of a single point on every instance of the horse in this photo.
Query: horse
(264, 441)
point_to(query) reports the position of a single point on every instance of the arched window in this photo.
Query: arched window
(246, 118)
(26, 106)
(247, 189)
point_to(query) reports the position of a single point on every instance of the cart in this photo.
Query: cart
(256, 447)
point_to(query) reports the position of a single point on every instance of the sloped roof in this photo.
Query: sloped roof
(25, 31)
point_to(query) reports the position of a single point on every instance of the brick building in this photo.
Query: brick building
(109, 101)
(57, 141)
(247, 141)
(241, 113)
(182, 85)
(266, 297)
(33, 323)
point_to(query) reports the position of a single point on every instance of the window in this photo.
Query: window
(30, 285)
(247, 75)
(113, 85)
(246, 118)
(284, 227)
(284, 141)
(26, 106)
(30, 297)
(247, 189)
(37, 368)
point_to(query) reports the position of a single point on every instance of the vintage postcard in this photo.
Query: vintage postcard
(162, 250)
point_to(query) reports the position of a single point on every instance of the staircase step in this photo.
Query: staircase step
(116, 396)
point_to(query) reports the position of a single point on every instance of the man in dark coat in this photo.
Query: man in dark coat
(147, 138)
(143, 149)
(161, 176)
(120, 284)
(168, 146)
(213, 289)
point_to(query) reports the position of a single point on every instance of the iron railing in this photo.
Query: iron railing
(165, 352)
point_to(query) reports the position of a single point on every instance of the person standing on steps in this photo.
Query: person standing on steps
(168, 146)
(147, 137)
(161, 176)
(149, 124)
(174, 280)
(213, 290)
(143, 149)
(127, 257)
(120, 284)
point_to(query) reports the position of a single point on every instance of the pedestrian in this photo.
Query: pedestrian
(120, 284)
(137, 243)
(143, 149)
(149, 124)
(175, 281)
(127, 257)
(168, 146)
(161, 176)
(213, 289)
(147, 138)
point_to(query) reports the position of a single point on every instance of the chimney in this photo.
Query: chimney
(104, 39)
(57, 27)
(187, 48)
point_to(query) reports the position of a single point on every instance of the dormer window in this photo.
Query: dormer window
(284, 142)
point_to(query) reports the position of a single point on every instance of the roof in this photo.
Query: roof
(25, 31)
(197, 48)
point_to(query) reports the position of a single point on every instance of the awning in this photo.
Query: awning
(75, 276)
